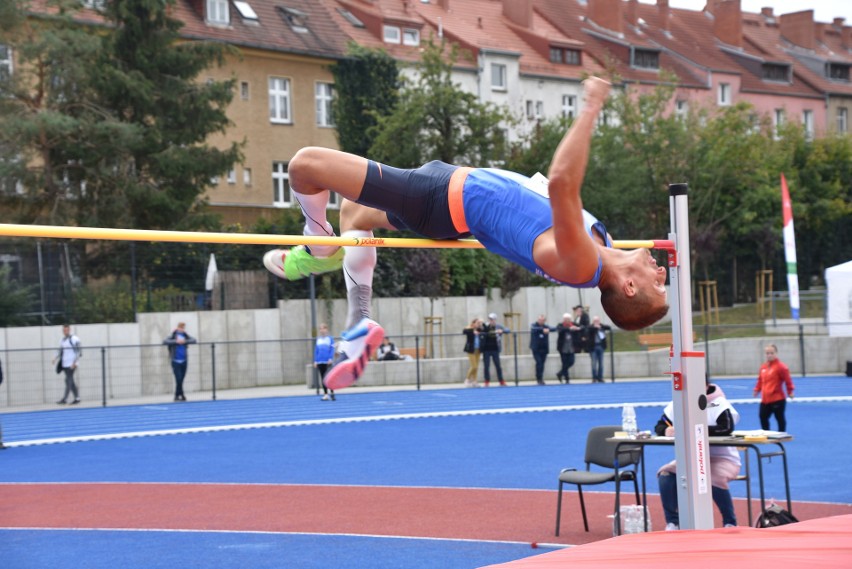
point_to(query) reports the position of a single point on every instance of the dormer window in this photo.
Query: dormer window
(296, 19)
(563, 55)
(776, 72)
(837, 71)
(217, 12)
(646, 59)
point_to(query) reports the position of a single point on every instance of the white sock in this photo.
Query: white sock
(358, 266)
(313, 207)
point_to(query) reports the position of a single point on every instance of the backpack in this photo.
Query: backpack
(773, 516)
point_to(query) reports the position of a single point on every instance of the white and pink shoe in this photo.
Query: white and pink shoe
(359, 343)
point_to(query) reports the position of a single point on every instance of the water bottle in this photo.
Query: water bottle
(628, 421)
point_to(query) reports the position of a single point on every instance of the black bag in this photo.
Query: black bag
(773, 516)
(59, 366)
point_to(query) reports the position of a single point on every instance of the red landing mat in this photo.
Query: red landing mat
(812, 544)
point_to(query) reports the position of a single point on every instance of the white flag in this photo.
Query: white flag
(211, 273)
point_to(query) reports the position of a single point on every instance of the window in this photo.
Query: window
(350, 17)
(247, 177)
(245, 10)
(498, 77)
(244, 90)
(808, 123)
(842, 120)
(530, 109)
(837, 71)
(5, 62)
(410, 36)
(324, 95)
(539, 109)
(569, 106)
(646, 59)
(681, 108)
(776, 72)
(232, 176)
(724, 94)
(280, 184)
(572, 57)
(296, 19)
(217, 12)
(391, 34)
(566, 56)
(778, 120)
(555, 55)
(279, 100)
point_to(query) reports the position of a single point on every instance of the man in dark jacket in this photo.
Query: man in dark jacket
(540, 346)
(579, 333)
(490, 344)
(565, 346)
(597, 347)
(177, 342)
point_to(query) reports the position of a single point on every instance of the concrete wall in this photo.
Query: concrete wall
(251, 348)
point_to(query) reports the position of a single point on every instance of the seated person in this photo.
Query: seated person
(724, 461)
(387, 351)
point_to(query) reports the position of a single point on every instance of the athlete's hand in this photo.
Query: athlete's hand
(595, 92)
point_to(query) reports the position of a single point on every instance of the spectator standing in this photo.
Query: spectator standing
(540, 346)
(565, 347)
(773, 378)
(597, 347)
(323, 358)
(579, 334)
(69, 353)
(177, 342)
(471, 348)
(724, 461)
(490, 345)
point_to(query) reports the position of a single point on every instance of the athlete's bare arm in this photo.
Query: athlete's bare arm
(566, 251)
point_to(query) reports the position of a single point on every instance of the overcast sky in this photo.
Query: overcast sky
(824, 10)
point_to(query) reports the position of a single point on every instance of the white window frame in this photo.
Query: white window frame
(218, 12)
(539, 109)
(724, 97)
(323, 96)
(245, 90)
(530, 109)
(280, 100)
(247, 177)
(842, 120)
(281, 191)
(681, 108)
(391, 34)
(410, 36)
(499, 77)
(232, 176)
(808, 123)
(569, 106)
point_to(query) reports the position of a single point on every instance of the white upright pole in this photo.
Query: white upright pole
(694, 492)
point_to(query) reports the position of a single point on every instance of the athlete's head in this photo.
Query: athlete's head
(634, 296)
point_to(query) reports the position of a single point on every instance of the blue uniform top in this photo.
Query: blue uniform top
(324, 349)
(507, 217)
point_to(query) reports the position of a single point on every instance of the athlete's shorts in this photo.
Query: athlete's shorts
(415, 199)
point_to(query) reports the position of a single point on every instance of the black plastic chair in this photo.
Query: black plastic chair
(600, 452)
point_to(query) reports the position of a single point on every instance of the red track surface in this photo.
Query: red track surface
(505, 515)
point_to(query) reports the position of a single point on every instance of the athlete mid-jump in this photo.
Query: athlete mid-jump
(551, 236)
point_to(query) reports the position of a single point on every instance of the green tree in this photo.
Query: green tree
(366, 86)
(436, 120)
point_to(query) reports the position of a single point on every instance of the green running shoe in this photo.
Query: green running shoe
(296, 263)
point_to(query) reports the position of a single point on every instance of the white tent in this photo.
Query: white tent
(838, 280)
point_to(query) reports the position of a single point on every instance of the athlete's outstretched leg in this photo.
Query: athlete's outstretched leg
(314, 172)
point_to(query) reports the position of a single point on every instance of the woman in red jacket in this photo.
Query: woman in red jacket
(774, 376)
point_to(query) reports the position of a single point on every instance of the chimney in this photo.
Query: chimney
(728, 22)
(838, 23)
(606, 14)
(518, 12)
(445, 4)
(664, 14)
(798, 28)
(846, 37)
(632, 12)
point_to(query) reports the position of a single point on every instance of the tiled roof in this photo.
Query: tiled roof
(270, 31)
